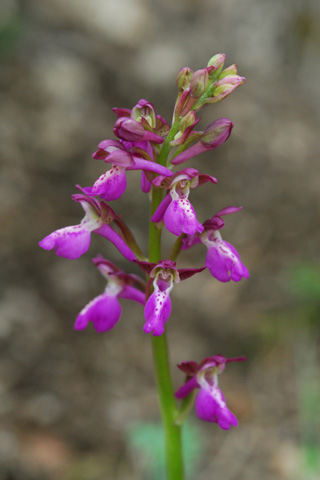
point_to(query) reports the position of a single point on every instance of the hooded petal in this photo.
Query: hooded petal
(180, 217)
(211, 407)
(157, 311)
(103, 311)
(69, 242)
(110, 186)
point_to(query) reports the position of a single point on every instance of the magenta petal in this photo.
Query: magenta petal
(224, 262)
(110, 186)
(68, 242)
(132, 293)
(145, 184)
(142, 164)
(180, 217)
(211, 407)
(159, 213)
(107, 232)
(157, 312)
(187, 388)
(103, 311)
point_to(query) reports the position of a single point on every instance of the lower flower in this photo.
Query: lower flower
(210, 403)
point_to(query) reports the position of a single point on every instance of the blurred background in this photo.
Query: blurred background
(83, 406)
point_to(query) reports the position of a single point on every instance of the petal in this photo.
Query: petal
(145, 184)
(157, 312)
(142, 164)
(224, 262)
(187, 388)
(180, 217)
(132, 293)
(211, 407)
(111, 185)
(159, 213)
(103, 311)
(107, 232)
(68, 242)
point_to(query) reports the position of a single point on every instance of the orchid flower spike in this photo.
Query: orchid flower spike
(175, 209)
(104, 311)
(72, 242)
(210, 403)
(158, 306)
(222, 258)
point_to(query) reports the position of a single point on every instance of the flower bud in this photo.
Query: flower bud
(217, 132)
(184, 78)
(199, 82)
(132, 131)
(217, 62)
(224, 87)
(231, 70)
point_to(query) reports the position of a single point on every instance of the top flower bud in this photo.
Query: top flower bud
(132, 131)
(217, 62)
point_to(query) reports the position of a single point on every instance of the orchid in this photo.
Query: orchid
(158, 307)
(73, 241)
(210, 403)
(176, 210)
(146, 142)
(112, 184)
(104, 311)
(222, 260)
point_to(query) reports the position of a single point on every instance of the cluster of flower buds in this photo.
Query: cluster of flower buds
(146, 142)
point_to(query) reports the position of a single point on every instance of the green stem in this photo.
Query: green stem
(172, 432)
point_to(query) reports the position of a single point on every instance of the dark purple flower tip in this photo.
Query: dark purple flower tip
(103, 311)
(189, 368)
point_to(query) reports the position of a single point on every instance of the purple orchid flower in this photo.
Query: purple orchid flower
(112, 184)
(175, 209)
(222, 258)
(210, 403)
(104, 311)
(214, 135)
(158, 307)
(72, 242)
